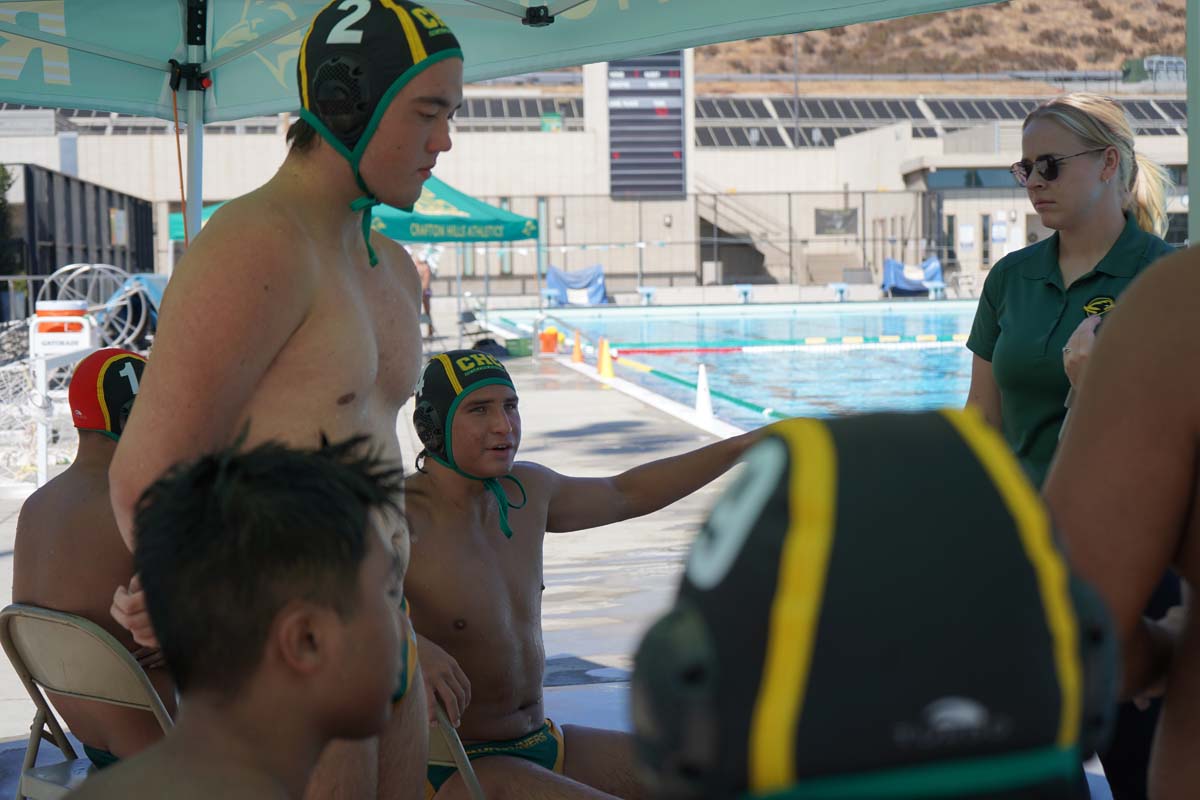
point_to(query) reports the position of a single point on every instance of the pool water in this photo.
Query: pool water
(769, 361)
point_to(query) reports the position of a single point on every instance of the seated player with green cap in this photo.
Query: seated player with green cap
(834, 640)
(281, 318)
(475, 580)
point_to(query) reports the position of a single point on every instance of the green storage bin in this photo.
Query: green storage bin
(520, 347)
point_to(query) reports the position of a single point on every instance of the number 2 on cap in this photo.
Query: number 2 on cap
(342, 33)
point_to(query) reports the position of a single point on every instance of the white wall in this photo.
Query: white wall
(146, 166)
(40, 150)
(866, 162)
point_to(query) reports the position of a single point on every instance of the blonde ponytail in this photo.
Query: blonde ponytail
(1147, 195)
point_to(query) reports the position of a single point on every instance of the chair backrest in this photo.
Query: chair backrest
(445, 746)
(69, 655)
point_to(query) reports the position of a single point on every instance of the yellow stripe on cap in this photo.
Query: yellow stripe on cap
(304, 58)
(450, 373)
(796, 608)
(100, 387)
(1033, 526)
(415, 45)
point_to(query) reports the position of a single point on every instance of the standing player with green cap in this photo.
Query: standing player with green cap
(475, 583)
(287, 318)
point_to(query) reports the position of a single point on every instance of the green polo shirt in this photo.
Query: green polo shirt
(1023, 321)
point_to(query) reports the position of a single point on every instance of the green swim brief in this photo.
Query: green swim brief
(100, 758)
(543, 747)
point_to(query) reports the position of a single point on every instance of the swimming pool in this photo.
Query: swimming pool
(771, 361)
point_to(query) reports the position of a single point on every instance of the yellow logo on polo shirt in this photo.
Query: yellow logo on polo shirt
(1099, 305)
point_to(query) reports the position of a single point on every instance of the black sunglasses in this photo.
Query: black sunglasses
(1047, 166)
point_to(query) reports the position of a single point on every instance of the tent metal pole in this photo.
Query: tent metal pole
(541, 251)
(195, 34)
(1193, 112)
(458, 271)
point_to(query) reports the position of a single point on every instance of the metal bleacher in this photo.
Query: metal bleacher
(787, 122)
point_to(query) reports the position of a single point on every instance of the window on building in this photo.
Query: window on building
(985, 241)
(1177, 233)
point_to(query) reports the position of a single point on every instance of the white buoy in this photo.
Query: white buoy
(703, 398)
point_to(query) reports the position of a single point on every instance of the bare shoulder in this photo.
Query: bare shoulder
(540, 482)
(393, 255)
(530, 472)
(1163, 298)
(35, 509)
(250, 241)
(1150, 344)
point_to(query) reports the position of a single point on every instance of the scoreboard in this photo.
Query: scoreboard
(646, 126)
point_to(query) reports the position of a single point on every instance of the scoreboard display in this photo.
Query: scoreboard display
(646, 126)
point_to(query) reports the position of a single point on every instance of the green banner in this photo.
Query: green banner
(442, 214)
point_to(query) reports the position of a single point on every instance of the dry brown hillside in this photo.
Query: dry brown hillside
(1012, 35)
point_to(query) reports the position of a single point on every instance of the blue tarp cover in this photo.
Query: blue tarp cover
(590, 278)
(895, 282)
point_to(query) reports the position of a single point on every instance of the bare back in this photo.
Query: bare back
(166, 771)
(68, 557)
(1124, 488)
(478, 595)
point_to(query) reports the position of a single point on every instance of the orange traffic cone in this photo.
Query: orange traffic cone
(577, 351)
(604, 361)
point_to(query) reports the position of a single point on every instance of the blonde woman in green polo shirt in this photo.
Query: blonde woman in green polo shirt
(1107, 206)
(1037, 319)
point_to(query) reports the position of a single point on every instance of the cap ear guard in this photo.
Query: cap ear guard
(340, 96)
(1099, 657)
(674, 706)
(428, 423)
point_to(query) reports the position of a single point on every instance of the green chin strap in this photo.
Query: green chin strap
(368, 201)
(116, 437)
(493, 486)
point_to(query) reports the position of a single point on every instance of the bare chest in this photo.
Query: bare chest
(474, 578)
(355, 358)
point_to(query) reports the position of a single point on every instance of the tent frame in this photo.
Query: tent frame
(196, 32)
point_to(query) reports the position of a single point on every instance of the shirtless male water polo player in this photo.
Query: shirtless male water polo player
(1124, 491)
(475, 579)
(68, 554)
(267, 651)
(282, 321)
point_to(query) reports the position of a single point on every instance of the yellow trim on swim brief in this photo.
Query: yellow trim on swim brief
(557, 733)
(304, 59)
(796, 608)
(450, 373)
(415, 45)
(1033, 526)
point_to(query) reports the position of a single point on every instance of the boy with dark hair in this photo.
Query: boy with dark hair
(274, 588)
